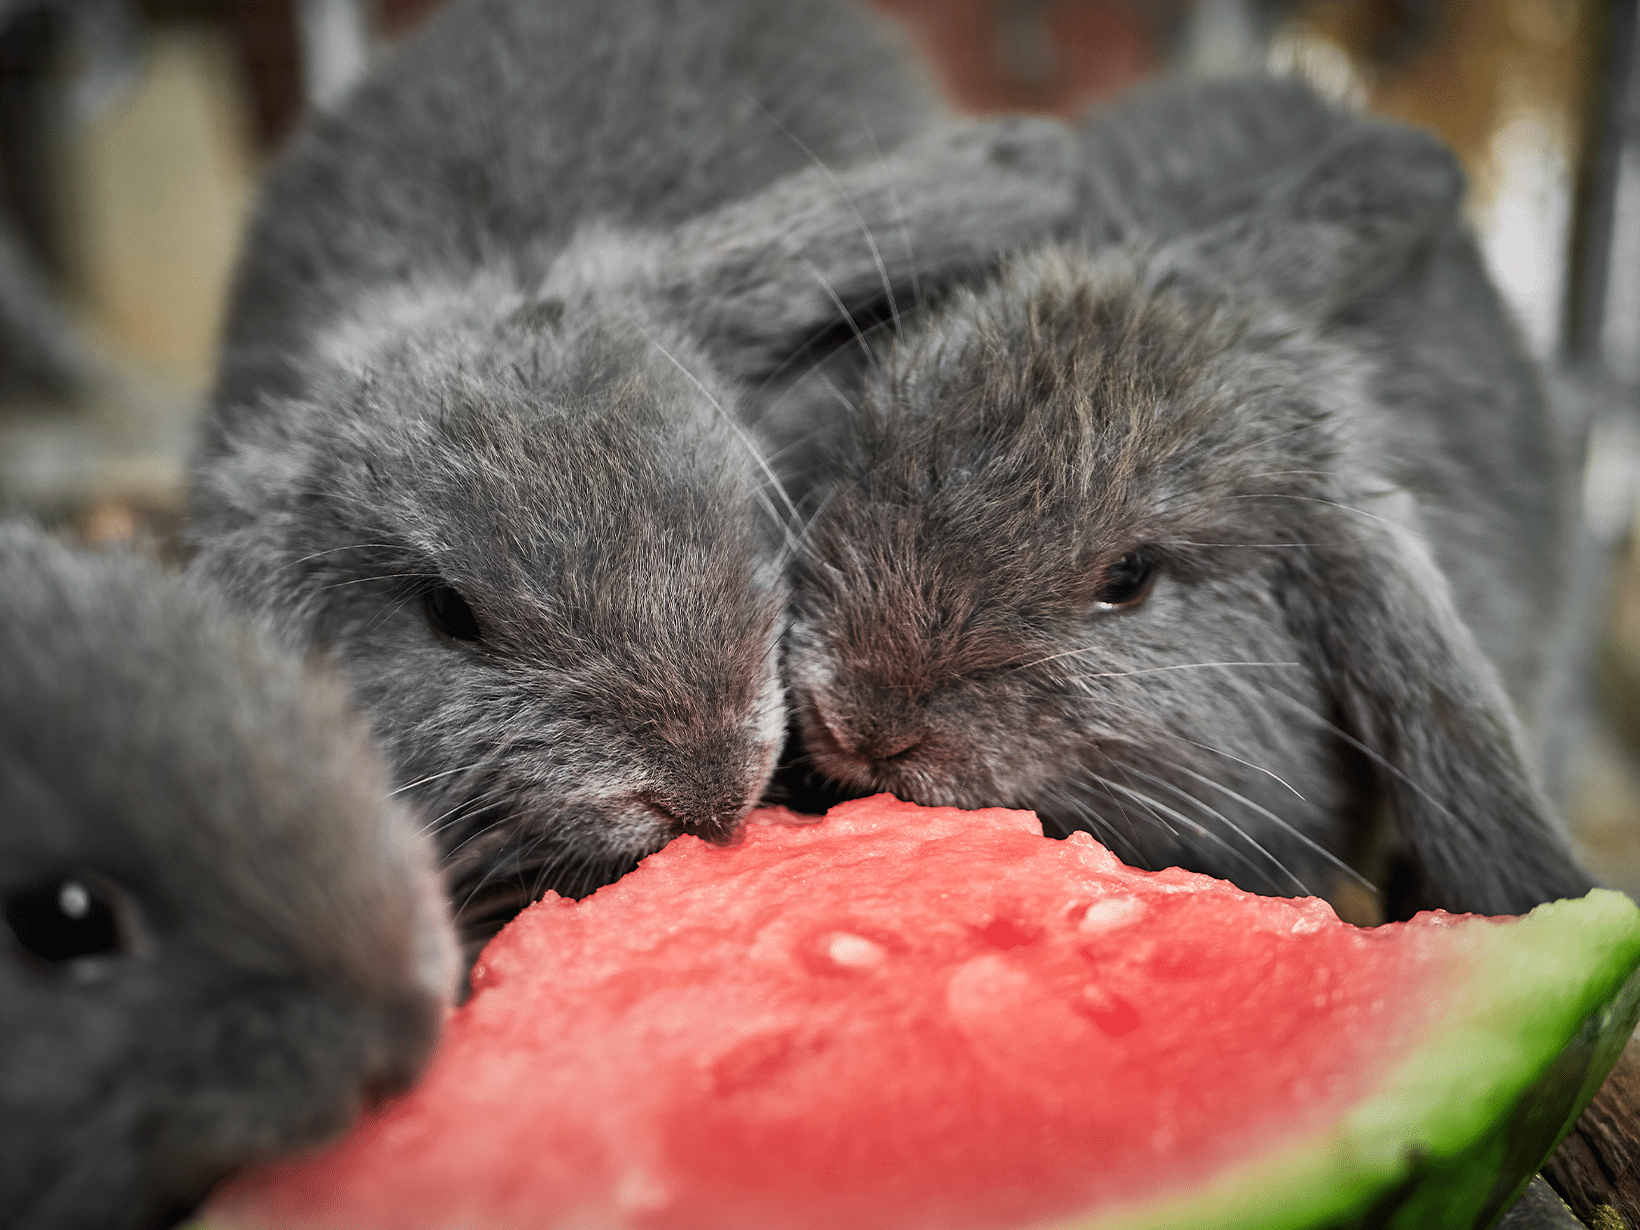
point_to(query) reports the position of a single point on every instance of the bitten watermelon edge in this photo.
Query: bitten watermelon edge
(907, 1018)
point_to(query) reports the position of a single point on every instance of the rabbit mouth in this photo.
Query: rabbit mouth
(483, 911)
(896, 760)
(491, 879)
(832, 755)
(485, 898)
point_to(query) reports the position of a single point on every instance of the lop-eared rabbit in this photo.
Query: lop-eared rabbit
(1226, 523)
(221, 938)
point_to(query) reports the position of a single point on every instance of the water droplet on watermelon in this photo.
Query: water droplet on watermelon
(853, 951)
(640, 1191)
(1111, 913)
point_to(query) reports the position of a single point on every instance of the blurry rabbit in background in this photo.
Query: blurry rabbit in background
(222, 938)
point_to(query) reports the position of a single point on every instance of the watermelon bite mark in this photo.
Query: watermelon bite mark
(909, 1018)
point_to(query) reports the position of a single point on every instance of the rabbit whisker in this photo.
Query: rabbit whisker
(899, 212)
(1197, 828)
(1349, 508)
(393, 610)
(1262, 546)
(740, 434)
(357, 546)
(854, 208)
(483, 880)
(466, 810)
(1366, 751)
(1095, 822)
(448, 860)
(842, 308)
(1105, 700)
(432, 777)
(1292, 830)
(1228, 822)
(1219, 751)
(1141, 670)
(803, 351)
(1146, 802)
(377, 576)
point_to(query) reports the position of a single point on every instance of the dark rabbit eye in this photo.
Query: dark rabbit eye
(449, 614)
(1127, 581)
(66, 917)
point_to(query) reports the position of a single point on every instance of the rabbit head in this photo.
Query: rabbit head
(221, 938)
(1112, 538)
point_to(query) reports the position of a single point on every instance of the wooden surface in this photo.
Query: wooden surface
(1596, 1170)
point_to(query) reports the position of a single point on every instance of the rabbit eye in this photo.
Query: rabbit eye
(1128, 581)
(449, 614)
(65, 917)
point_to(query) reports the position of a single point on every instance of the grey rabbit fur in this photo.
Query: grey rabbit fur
(221, 937)
(502, 330)
(1226, 523)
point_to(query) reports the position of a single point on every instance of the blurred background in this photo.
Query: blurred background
(132, 133)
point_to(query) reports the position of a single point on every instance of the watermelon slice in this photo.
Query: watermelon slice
(908, 1018)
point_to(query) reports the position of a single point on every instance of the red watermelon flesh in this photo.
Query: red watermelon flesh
(907, 1018)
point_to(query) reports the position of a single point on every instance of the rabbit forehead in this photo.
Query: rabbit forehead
(1079, 361)
(580, 541)
(540, 448)
(1070, 412)
(601, 272)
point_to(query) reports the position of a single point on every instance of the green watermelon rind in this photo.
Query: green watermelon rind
(1457, 1128)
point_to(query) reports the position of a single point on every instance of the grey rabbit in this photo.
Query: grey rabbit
(221, 937)
(488, 418)
(1226, 523)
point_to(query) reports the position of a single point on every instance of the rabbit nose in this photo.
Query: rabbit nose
(891, 733)
(875, 744)
(709, 817)
(884, 747)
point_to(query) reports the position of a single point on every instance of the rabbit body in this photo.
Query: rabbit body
(1228, 524)
(479, 426)
(221, 938)
(504, 129)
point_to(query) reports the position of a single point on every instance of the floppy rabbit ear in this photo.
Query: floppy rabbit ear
(1412, 690)
(758, 279)
(1347, 222)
